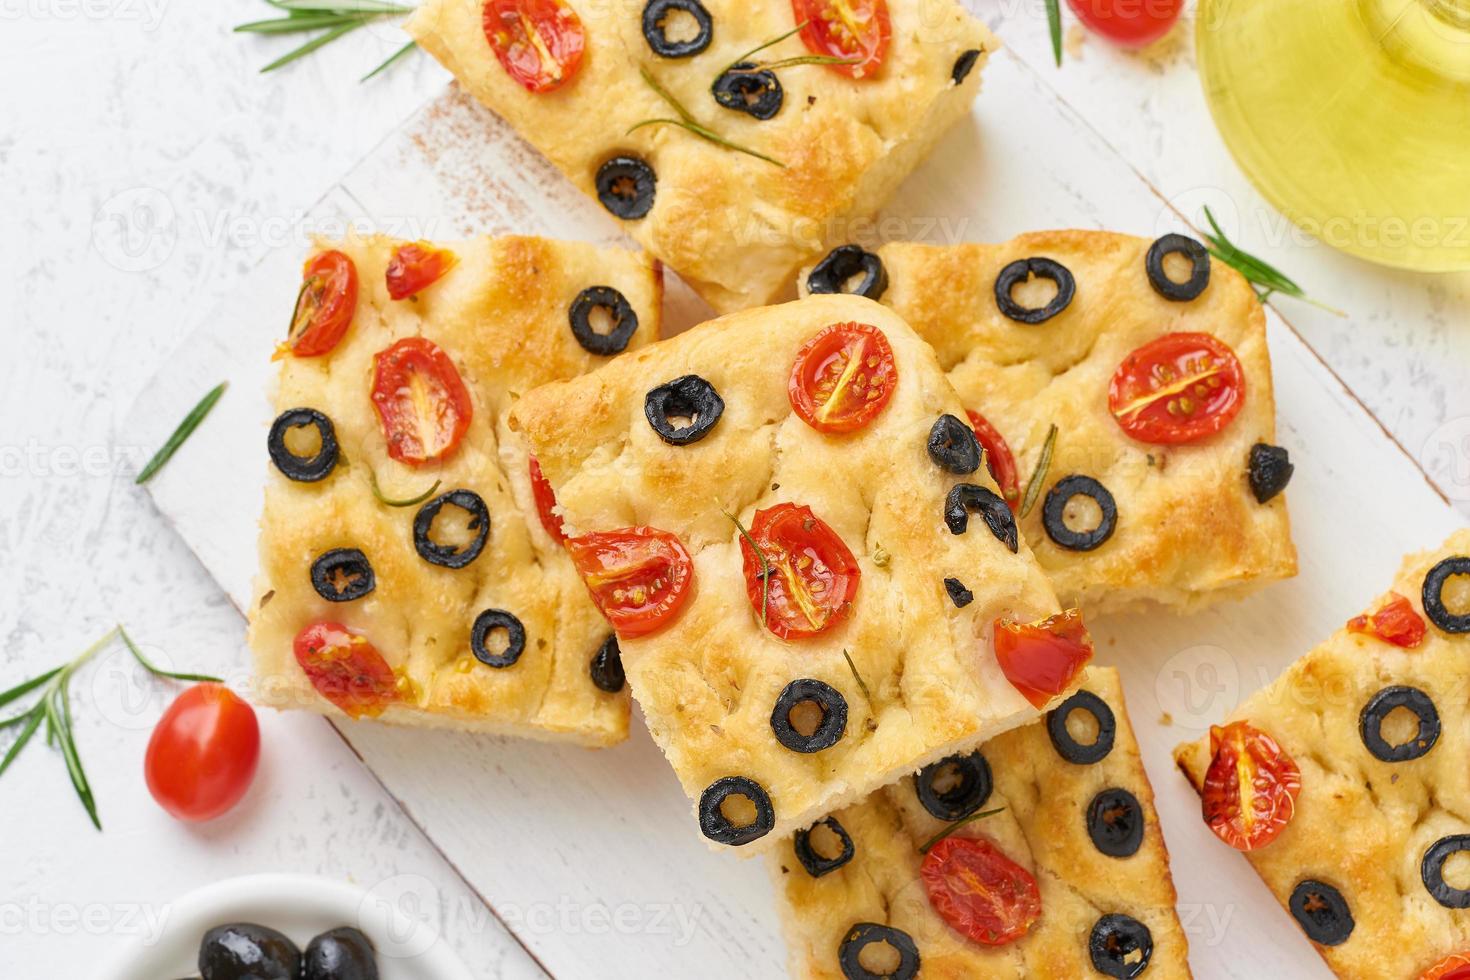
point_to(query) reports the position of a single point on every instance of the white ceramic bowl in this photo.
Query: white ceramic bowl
(298, 905)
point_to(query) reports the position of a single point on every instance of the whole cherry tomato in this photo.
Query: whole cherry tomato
(1131, 23)
(202, 756)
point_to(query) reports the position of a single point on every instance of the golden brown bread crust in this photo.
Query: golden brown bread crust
(1043, 828)
(735, 227)
(1189, 530)
(707, 683)
(1360, 824)
(501, 316)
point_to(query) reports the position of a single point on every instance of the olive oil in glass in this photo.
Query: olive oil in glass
(1351, 116)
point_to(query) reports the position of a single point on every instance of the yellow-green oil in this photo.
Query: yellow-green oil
(1351, 116)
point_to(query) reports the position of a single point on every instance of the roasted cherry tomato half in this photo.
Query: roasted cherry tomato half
(545, 498)
(539, 42)
(1042, 659)
(346, 669)
(812, 578)
(202, 755)
(324, 307)
(421, 401)
(1250, 789)
(638, 576)
(843, 377)
(1131, 23)
(1179, 388)
(1394, 622)
(855, 30)
(1453, 967)
(983, 895)
(416, 266)
(998, 459)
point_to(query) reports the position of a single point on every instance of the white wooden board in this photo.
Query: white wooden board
(590, 858)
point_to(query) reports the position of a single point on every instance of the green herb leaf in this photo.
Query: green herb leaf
(804, 59)
(33, 721)
(862, 685)
(313, 44)
(296, 23)
(1258, 272)
(379, 7)
(158, 671)
(1038, 475)
(391, 502)
(58, 715)
(761, 47)
(929, 844)
(184, 431)
(390, 60)
(688, 122)
(759, 553)
(25, 687)
(1054, 22)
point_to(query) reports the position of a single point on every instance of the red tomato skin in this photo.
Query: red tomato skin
(998, 459)
(780, 531)
(346, 669)
(561, 32)
(416, 266)
(871, 45)
(1453, 967)
(1275, 782)
(1395, 622)
(1042, 659)
(834, 346)
(327, 303)
(203, 753)
(637, 550)
(393, 369)
(1153, 422)
(545, 498)
(1129, 23)
(983, 873)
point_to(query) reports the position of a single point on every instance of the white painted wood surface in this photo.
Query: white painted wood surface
(590, 858)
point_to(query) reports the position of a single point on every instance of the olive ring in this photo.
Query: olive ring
(1021, 270)
(1068, 747)
(448, 555)
(1322, 912)
(1115, 822)
(1120, 946)
(348, 565)
(1370, 723)
(616, 305)
(307, 469)
(718, 827)
(655, 31)
(1053, 513)
(1199, 274)
(744, 88)
(829, 730)
(1433, 595)
(626, 186)
(689, 397)
(953, 447)
(864, 934)
(1431, 871)
(842, 263)
(515, 638)
(965, 797)
(815, 864)
(966, 497)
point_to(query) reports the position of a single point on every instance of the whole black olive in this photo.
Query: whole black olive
(1199, 273)
(1053, 513)
(625, 186)
(745, 88)
(341, 954)
(966, 497)
(1270, 471)
(620, 312)
(607, 666)
(1018, 272)
(1322, 912)
(839, 266)
(246, 951)
(963, 65)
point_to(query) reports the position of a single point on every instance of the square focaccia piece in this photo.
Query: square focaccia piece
(816, 587)
(598, 87)
(1151, 362)
(411, 569)
(1346, 785)
(1063, 873)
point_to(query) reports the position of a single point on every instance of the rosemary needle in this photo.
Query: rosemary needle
(1257, 271)
(929, 844)
(186, 428)
(1038, 475)
(1054, 22)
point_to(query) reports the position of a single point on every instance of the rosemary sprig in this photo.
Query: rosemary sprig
(54, 708)
(1038, 475)
(862, 685)
(335, 18)
(769, 44)
(688, 122)
(186, 428)
(766, 570)
(1054, 22)
(1256, 271)
(929, 844)
(390, 501)
(391, 59)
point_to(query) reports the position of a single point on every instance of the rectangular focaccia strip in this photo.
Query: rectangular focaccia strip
(924, 680)
(502, 315)
(833, 897)
(1350, 859)
(734, 226)
(1190, 525)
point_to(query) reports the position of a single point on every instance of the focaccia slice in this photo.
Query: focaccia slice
(826, 148)
(805, 614)
(1075, 849)
(405, 571)
(1126, 346)
(1356, 778)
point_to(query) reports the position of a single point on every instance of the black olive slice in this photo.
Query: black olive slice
(690, 397)
(342, 574)
(745, 88)
(815, 864)
(1431, 870)
(1199, 274)
(958, 594)
(1115, 822)
(1434, 607)
(242, 949)
(1068, 747)
(829, 730)
(607, 666)
(953, 446)
(1054, 510)
(718, 827)
(656, 25)
(343, 953)
(515, 638)
(1120, 946)
(841, 265)
(864, 934)
(966, 497)
(1322, 912)
(967, 795)
(1270, 471)
(625, 186)
(1370, 723)
(449, 555)
(964, 64)
(1018, 272)
(293, 467)
(621, 314)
